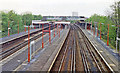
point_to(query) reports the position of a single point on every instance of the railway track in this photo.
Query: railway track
(66, 59)
(14, 45)
(78, 55)
(93, 61)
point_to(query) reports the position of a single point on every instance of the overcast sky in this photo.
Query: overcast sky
(58, 7)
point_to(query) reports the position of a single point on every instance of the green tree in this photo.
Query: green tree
(37, 17)
(14, 19)
(27, 18)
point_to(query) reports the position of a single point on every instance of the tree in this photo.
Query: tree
(4, 21)
(27, 18)
(115, 15)
(15, 19)
(37, 17)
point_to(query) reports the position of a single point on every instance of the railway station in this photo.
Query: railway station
(53, 41)
(57, 46)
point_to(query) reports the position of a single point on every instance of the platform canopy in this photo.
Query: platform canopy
(39, 22)
(62, 22)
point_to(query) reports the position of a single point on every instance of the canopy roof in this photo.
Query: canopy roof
(62, 22)
(39, 22)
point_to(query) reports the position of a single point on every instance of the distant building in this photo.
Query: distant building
(74, 13)
(60, 18)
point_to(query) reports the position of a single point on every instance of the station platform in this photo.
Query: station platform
(48, 56)
(42, 58)
(45, 58)
(14, 36)
(109, 55)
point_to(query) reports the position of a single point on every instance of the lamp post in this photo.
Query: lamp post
(108, 36)
(25, 25)
(18, 27)
(29, 52)
(97, 29)
(8, 28)
(28, 44)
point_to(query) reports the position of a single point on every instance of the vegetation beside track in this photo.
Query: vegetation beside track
(13, 18)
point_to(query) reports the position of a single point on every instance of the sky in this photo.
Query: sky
(58, 7)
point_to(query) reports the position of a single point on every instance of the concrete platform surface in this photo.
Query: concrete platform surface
(11, 37)
(46, 58)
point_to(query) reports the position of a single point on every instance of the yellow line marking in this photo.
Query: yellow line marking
(101, 51)
(112, 64)
(57, 53)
